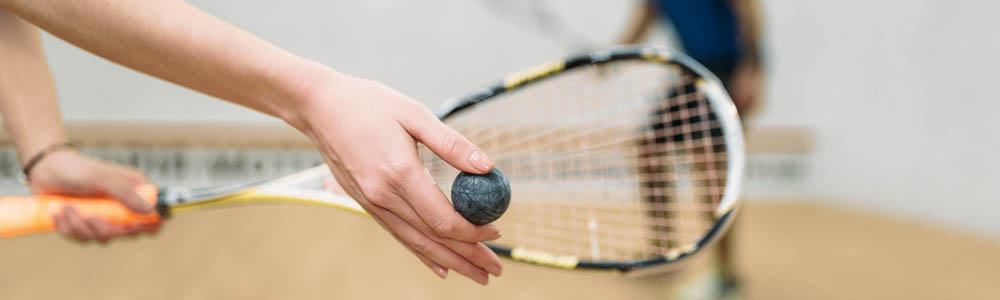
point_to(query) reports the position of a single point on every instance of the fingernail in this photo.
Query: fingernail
(441, 272)
(482, 278)
(480, 161)
(496, 270)
(495, 233)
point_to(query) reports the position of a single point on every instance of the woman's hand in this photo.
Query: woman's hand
(368, 135)
(71, 173)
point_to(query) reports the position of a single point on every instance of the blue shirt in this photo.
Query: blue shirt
(708, 29)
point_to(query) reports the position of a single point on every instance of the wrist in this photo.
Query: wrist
(33, 132)
(36, 158)
(313, 89)
(30, 146)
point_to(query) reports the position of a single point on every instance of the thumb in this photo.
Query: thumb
(450, 145)
(122, 189)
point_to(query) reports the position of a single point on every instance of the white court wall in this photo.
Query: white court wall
(430, 50)
(903, 98)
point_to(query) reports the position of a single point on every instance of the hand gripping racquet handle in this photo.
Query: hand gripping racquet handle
(20, 215)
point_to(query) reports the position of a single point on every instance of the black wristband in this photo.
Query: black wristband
(23, 176)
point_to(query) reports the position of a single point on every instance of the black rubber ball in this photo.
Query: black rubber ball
(481, 199)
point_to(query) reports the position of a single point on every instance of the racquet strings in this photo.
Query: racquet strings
(613, 162)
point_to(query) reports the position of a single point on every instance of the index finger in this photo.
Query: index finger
(122, 190)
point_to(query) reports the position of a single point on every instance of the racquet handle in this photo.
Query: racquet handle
(20, 215)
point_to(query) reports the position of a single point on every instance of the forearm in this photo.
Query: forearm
(177, 42)
(27, 93)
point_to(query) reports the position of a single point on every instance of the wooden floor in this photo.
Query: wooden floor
(298, 252)
(812, 252)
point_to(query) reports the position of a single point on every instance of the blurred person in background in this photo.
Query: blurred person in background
(365, 131)
(724, 36)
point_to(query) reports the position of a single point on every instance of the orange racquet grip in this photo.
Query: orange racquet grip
(20, 215)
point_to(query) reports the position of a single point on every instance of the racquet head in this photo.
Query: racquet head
(620, 159)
